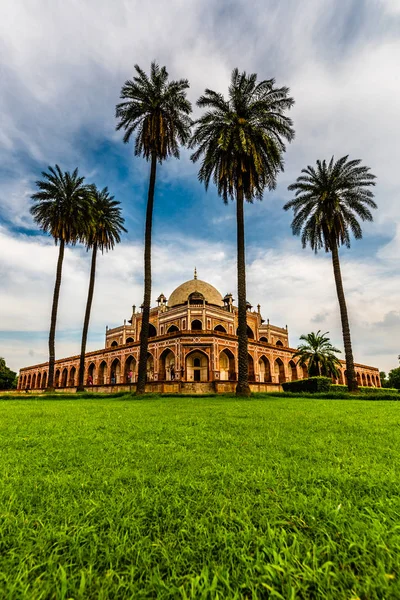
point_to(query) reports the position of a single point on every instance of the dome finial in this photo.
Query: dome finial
(195, 273)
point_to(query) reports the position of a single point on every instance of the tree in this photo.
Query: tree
(241, 144)
(61, 211)
(318, 355)
(103, 230)
(382, 377)
(327, 202)
(8, 378)
(394, 378)
(158, 111)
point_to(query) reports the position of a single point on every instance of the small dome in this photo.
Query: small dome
(197, 287)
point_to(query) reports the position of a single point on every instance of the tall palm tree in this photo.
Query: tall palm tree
(327, 202)
(60, 209)
(158, 111)
(104, 226)
(318, 355)
(240, 140)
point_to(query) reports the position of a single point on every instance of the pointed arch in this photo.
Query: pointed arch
(220, 328)
(44, 379)
(279, 371)
(264, 339)
(167, 367)
(34, 381)
(197, 366)
(115, 371)
(292, 368)
(227, 370)
(102, 373)
(250, 361)
(172, 329)
(130, 369)
(196, 325)
(279, 343)
(39, 380)
(72, 375)
(129, 340)
(57, 378)
(264, 367)
(152, 330)
(150, 367)
(91, 374)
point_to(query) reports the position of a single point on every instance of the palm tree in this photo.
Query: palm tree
(60, 210)
(158, 111)
(318, 355)
(327, 202)
(104, 227)
(241, 142)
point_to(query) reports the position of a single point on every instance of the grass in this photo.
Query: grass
(199, 498)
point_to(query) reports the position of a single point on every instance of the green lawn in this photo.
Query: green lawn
(199, 498)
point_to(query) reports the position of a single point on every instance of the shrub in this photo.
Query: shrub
(365, 390)
(312, 385)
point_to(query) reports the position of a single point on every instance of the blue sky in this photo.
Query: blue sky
(63, 65)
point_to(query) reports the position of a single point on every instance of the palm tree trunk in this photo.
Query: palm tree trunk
(52, 334)
(81, 387)
(351, 376)
(242, 388)
(144, 334)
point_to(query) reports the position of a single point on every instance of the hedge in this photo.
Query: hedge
(312, 384)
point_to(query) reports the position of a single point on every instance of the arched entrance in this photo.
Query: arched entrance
(64, 377)
(44, 379)
(369, 380)
(71, 378)
(292, 370)
(57, 378)
(358, 378)
(250, 359)
(150, 367)
(220, 328)
(227, 365)
(152, 331)
(197, 366)
(102, 376)
(172, 329)
(167, 368)
(250, 332)
(114, 344)
(129, 340)
(279, 343)
(264, 339)
(264, 369)
(115, 371)
(279, 371)
(363, 380)
(90, 374)
(39, 380)
(34, 381)
(130, 369)
(196, 325)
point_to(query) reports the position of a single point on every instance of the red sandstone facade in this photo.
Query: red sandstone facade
(192, 343)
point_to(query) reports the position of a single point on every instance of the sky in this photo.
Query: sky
(62, 68)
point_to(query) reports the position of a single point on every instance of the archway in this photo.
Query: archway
(172, 329)
(227, 366)
(279, 371)
(196, 325)
(34, 381)
(115, 371)
(39, 380)
(358, 378)
(340, 379)
(130, 369)
(369, 380)
(150, 367)
(90, 374)
(167, 367)
(24, 382)
(220, 328)
(44, 379)
(292, 370)
(279, 343)
(102, 373)
(264, 339)
(152, 331)
(265, 369)
(250, 332)
(64, 377)
(197, 366)
(129, 340)
(250, 360)
(28, 381)
(57, 378)
(71, 378)
(363, 380)
(114, 344)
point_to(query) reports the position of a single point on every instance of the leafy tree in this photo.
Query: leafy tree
(8, 378)
(158, 111)
(240, 140)
(394, 378)
(384, 381)
(327, 202)
(60, 209)
(103, 230)
(318, 355)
